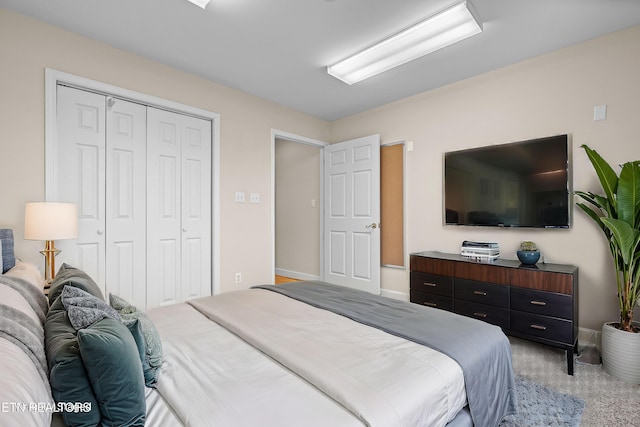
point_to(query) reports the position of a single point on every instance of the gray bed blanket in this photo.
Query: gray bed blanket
(23, 331)
(34, 296)
(482, 350)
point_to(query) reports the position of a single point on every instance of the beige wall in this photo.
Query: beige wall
(297, 183)
(29, 46)
(548, 95)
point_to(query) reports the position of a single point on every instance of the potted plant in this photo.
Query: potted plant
(617, 213)
(528, 253)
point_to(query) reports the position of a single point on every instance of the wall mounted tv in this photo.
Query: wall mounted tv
(521, 184)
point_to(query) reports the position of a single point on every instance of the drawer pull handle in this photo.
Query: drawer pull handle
(538, 327)
(430, 304)
(542, 303)
(482, 315)
(484, 294)
(433, 285)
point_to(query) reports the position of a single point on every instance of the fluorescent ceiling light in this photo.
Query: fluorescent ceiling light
(201, 3)
(445, 28)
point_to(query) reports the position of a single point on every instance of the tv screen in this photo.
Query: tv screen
(521, 184)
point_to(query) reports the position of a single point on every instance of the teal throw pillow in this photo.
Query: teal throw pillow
(67, 376)
(111, 358)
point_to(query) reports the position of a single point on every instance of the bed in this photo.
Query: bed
(262, 356)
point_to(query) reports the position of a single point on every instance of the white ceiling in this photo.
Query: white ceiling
(279, 49)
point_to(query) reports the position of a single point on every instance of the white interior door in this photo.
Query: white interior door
(126, 160)
(196, 208)
(352, 214)
(178, 207)
(79, 177)
(140, 183)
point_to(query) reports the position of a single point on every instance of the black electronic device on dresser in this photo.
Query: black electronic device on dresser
(538, 303)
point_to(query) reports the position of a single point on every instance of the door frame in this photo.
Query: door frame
(288, 136)
(54, 77)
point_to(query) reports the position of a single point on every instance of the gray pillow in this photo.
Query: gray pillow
(85, 309)
(7, 255)
(152, 342)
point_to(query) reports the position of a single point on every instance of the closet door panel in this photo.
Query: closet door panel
(196, 208)
(163, 208)
(126, 159)
(79, 176)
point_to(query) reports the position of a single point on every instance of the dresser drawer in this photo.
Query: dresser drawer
(432, 283)
(540, 302)
(482, 292)
(550, 328)
(494, 315)
(431, 300)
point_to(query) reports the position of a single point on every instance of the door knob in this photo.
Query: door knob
(373, 226)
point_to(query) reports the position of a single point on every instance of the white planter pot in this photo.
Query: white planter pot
(621, 353)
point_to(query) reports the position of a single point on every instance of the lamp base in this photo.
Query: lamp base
(49, 253)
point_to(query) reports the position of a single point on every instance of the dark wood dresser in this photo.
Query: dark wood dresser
(538, 303)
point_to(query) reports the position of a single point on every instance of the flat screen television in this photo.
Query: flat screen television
(520, 184)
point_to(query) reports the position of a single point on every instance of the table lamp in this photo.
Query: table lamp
(50, 221)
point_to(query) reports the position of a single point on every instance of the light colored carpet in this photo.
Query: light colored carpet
(609, 402)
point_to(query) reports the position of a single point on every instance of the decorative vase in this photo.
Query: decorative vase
(620, 353)
(528, 257)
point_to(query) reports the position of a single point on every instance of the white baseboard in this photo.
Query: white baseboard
(295, 274)
(394, 294)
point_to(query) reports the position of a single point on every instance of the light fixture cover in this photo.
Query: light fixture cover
(451, 25)
(50, 221)
(201, 3)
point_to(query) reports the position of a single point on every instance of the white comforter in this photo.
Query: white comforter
(210, 377)
(382, 379)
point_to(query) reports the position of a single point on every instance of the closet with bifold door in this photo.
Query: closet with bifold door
(141, 178)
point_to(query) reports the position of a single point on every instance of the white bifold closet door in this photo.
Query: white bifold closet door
(141, 178)
(178, 207)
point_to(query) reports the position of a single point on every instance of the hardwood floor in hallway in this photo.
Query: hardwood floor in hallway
(282, 279)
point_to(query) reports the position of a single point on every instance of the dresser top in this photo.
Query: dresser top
(509, 263)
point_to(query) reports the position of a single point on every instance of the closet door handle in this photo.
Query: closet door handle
(100, 232)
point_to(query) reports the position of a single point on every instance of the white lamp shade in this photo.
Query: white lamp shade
(50, 221)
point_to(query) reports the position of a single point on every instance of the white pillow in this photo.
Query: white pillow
(29, 272)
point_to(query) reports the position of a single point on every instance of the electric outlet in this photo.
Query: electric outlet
(238, 278)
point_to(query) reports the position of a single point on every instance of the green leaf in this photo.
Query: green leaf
(625, 238)
(628, 197)
(606, 174)
(594, 215)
